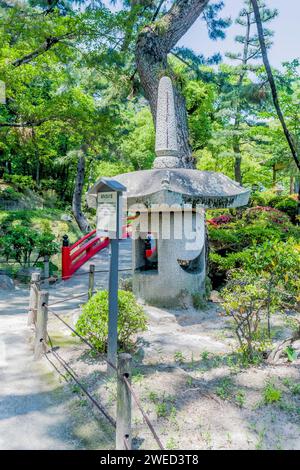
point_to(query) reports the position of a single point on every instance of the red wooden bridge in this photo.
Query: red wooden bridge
(74, 256)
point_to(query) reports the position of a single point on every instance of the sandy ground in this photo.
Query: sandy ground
(196, 393)
(37, 409)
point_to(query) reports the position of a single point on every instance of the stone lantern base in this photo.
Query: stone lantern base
(179, 271)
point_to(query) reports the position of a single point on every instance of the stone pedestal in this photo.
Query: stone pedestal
(180, 271)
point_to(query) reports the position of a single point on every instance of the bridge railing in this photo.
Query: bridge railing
(74, 256)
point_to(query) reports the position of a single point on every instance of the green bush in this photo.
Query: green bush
(245, 299)
(289, 206)
(257, 199)
(20, 243)
(9, 194)
(93, 322)
(21, 182)
(266, 281)
(266, 215)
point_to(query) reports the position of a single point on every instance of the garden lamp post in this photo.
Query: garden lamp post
(109, 224)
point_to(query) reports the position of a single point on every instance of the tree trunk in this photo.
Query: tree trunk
(237, 163)
(237, 118)
(274, 176)
(37, 158)
(77, 195)
(154, 43)
(292, 184)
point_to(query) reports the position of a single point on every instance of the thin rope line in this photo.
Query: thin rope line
(82, 338)
(97, 405)
(126, 443)
(146, 418)
(69, 298)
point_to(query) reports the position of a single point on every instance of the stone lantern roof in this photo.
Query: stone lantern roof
(179, 186)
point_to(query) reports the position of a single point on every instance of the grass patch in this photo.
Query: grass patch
(271, 394)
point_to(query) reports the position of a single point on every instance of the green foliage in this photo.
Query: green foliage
(20, 182)
(293, 387)
(271, 394)
(138, 144)
(19, 242)
(289, 206)
(9, 194)
(268, 277)
(240, 398)
(199, 100)
(224, 389)
(164, 405)
(249, 236)
(110, 169)
(53, 268)
(179, 357)
(244, 299)
(38, 233)
(291, 354)
(93, 322)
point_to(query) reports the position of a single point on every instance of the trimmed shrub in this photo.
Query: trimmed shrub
(93, 322)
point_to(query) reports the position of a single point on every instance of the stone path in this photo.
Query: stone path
(34, 405)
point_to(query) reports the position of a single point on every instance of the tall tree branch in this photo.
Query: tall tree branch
(271, 80)
(47, 44)
(23, 124)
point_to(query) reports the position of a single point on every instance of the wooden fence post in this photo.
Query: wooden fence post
(123, 429)
(33, 298)
(41, 325)
(91, 280)
(46, 270)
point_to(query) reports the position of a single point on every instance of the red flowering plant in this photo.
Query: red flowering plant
(220, 220)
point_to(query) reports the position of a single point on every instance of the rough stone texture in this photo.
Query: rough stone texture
(167, 162)
(171, 285)
(166, 127)
(66, 218)
(174, 187)
(203, 188)
(6, 282)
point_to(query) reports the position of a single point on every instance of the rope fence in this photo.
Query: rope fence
(84, 390)
(39, 310)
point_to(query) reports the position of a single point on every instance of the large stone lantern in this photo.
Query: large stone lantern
(171, 203)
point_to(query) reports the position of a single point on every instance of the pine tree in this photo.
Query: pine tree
(251, 51)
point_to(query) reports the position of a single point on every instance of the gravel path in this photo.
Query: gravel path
(34, 404)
